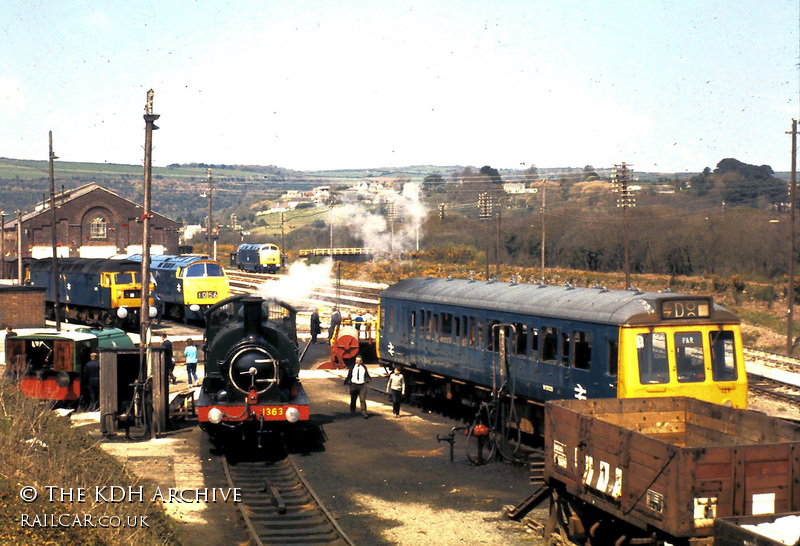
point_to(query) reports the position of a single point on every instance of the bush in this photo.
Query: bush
(765, 293)
(43, 449)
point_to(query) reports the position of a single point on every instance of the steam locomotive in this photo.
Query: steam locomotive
(251, 385)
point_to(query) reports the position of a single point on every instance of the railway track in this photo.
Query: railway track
(279, 507)
(773, 360)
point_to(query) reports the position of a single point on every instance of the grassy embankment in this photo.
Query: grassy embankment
(39, 448)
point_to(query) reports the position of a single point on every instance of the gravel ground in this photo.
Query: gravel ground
(388, 481)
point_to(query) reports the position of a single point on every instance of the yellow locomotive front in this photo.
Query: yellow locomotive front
(126, 292)
(693, 350)
(204, 283)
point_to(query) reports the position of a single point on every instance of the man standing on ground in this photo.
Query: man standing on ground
(358, 378)
(169, 361)
(190, 352)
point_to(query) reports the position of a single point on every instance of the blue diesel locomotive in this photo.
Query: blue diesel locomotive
(530, 343)
(92, 290)
(260, 258)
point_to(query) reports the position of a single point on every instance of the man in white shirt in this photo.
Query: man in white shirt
(358, 378)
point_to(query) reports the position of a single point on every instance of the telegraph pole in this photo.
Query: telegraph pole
(144, 311)
(3, 243)
(544, 193)
(19, 247)
(283, 234)
(497, 244)
(210, 224)
(485, 206)
(56, 291)
(392, 213)
(790, 290)
(624, 201)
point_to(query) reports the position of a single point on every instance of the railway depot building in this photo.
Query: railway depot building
(91, 222)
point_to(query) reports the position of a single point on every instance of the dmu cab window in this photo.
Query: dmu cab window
(689, 361)
(653, 361)
(723, 356)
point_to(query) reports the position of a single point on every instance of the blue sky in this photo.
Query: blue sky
(667, 86)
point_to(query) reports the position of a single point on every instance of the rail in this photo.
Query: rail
(279, 506)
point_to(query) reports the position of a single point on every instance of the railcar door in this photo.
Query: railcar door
(449, 343)
(585, 363)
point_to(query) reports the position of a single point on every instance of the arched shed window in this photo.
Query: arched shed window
(99, 228)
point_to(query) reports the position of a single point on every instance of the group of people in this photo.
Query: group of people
(362, 319)
(358, 379)
(91, 370)
(189, 352)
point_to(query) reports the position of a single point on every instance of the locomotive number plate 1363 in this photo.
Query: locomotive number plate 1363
(684, 309)
(272, 411)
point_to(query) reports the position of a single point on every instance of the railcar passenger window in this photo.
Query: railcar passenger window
(522, 340)
(456, 329)
(435, 327)
(412, 323)
(446, 331)
(493, 343)
(583, 350)
(422, 323)
(479, 339)
(565, 345)
(653, 362)
(469, 339)
(723, 356)
(534, 343)
(428, 328)
(613, 357)
(550, 345)
(689, 360)
(391, 318)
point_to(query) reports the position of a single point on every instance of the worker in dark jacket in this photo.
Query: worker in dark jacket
(91, 375)
(316, 328)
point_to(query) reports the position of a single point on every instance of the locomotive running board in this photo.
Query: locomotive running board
(536, 498)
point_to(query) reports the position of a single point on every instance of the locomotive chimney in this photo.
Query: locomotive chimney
(252, 315)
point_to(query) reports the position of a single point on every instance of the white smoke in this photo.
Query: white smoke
(297, 286)
(375, 229)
